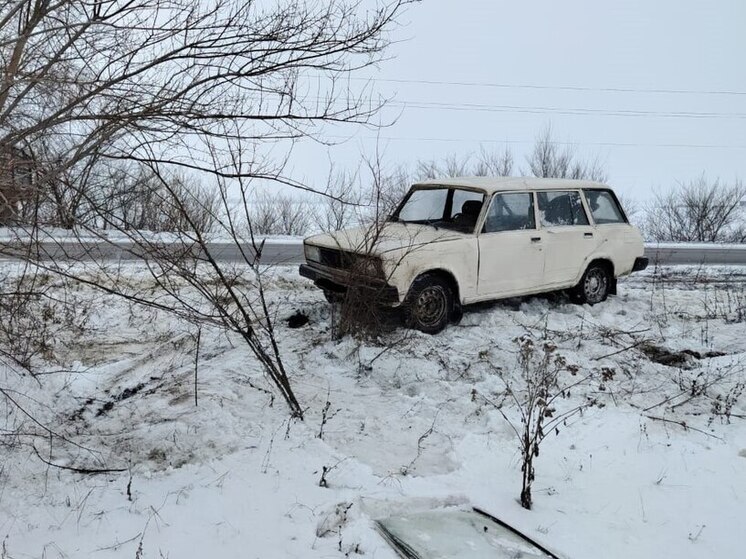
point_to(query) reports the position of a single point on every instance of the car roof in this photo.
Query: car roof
(498, 184)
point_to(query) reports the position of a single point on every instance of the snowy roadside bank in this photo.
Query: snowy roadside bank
(232, 476)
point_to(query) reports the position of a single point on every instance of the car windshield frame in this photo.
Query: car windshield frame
(444, 222)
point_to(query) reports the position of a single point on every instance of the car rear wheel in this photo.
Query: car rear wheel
(594, 286)
(429, 304)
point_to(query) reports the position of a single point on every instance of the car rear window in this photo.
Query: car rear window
(604, 207)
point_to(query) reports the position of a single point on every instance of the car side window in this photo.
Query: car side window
(557, 208)
(466, 207)
(604, 207)
(471, 199)
(510, 212)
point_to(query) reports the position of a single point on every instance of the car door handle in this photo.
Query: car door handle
(587, 235)
(535, 239)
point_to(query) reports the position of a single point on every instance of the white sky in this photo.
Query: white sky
(634, 45)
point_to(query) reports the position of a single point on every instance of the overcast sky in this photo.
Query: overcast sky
(655, 89)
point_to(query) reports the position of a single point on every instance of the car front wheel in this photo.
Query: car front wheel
(594, 286)
(333, 297)
(429, 304)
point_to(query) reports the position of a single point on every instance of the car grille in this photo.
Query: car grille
(336, 258)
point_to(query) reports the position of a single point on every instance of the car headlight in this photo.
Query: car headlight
(313, 253)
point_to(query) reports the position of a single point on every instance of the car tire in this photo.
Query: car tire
(333, 297)
(429, 304)
(594, 286)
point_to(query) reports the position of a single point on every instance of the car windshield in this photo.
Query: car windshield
(452, 534)
(450, 208)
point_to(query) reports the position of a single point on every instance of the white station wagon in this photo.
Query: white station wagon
(457, 241)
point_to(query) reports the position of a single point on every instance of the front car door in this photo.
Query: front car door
(569, 238)
(438, 231)
(511, 257)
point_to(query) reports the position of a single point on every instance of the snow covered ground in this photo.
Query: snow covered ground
(656, 468)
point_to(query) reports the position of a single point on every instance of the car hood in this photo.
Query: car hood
(393, 236)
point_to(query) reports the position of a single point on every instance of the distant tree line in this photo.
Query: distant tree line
(131, 196)
(700, 210)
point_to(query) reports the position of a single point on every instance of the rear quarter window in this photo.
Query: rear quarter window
(604, 207)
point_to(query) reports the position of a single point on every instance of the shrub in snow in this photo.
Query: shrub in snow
(545, 379)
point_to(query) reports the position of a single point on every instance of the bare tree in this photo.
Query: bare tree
(60, 199)
(428, 170)
(189, 279)
(16, 184)
(385, 190)
(361, 313)
(494, 164)
(548, 159)
(452, 165)
(484, 164)
(698, 210)
(135, 198)
(340, 205)
(370, 196)
(210, 86)
(157, 81)
(94, 196)
(279, 214)
(362, 197)
(630, 205)
(26, 330)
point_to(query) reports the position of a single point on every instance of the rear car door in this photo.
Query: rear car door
(569, 238)
(511, 257)
(617, 238)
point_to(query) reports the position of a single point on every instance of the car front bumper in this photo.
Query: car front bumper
(339, 281)
(640, 264)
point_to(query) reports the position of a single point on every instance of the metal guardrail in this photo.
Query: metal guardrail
(290, 251)
(699, 253)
